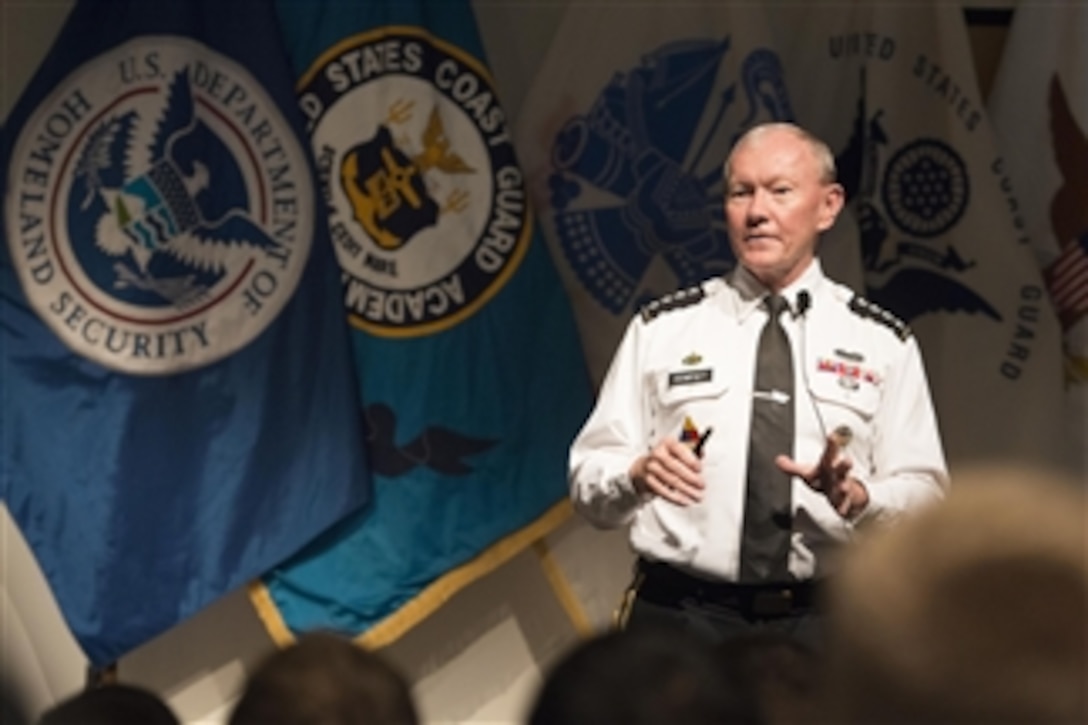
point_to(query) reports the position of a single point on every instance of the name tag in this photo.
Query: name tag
(687, 377)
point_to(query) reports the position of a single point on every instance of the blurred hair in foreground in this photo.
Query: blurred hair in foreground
(972, 610)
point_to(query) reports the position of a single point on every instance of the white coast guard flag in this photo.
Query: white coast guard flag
(1039, 107)
(623, 137)
(893, 89)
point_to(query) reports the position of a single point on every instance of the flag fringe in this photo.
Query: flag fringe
(428, 601)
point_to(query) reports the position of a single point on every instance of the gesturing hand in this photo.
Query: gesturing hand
(672, 471)
(830, 475)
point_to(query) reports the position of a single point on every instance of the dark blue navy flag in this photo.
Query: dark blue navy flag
(179, 411)
(474, 381)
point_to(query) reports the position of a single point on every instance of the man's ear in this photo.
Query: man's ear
(830, 206)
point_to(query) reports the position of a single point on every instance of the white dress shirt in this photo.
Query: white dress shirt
(691, 356)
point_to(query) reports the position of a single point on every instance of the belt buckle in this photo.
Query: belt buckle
(772, 602)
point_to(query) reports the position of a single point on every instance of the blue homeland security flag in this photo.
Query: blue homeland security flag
(178, 400)
(473, 383)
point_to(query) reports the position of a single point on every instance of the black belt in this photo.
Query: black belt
(667, 585)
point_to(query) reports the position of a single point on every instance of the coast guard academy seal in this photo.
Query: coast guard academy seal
(427, 204)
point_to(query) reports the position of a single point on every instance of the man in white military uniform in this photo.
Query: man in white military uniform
(846, 434)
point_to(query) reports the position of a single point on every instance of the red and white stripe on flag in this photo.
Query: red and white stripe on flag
(1067, 280)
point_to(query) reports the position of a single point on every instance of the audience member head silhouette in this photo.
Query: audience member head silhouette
(325, 679)
(972, 611)
(12, 708)
(775, 675)
(112, 704)
(638, 677)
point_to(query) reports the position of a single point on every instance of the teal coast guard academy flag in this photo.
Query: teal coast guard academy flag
(472, 380)
(178, 399)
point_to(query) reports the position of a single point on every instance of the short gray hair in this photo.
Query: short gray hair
(820, 150)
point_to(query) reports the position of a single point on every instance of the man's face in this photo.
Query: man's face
(776, 206)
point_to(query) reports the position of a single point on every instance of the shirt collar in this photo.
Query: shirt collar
(750, 291)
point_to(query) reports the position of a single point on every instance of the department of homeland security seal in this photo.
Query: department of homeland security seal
(159, 207)
(427, 204)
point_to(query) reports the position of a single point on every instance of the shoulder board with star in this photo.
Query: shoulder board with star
(872, 311)
(672, 301)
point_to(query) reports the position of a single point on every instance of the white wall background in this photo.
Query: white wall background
(481, 657)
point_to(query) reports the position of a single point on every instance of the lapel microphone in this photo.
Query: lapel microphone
(804, 301)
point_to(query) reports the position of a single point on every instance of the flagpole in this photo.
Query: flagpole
(100, 676)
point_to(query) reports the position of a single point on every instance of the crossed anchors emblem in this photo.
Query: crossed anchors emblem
(387, 186)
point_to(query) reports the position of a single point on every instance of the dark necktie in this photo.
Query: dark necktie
(765, 542)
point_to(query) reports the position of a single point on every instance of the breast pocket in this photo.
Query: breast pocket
(688, 393)
(843, 399)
